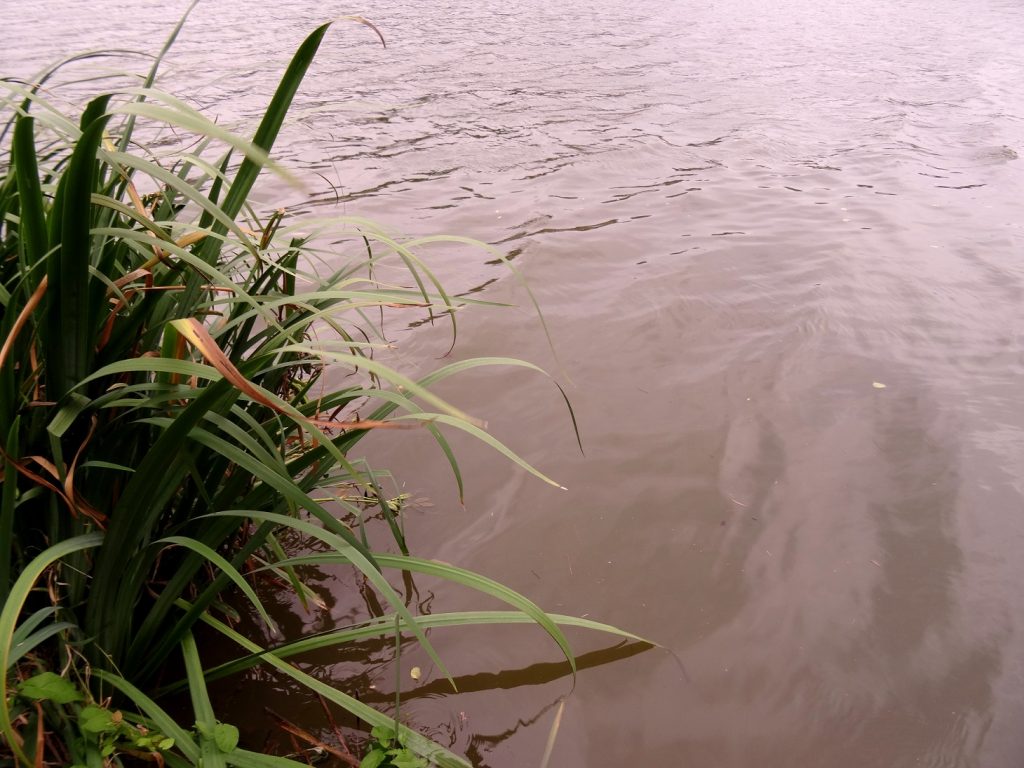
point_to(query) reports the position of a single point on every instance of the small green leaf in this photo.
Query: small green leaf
(96, 720)
(48, 686)
(383, 735)
(225, 736)
(165, 744)
(408, 759)
(374, 758)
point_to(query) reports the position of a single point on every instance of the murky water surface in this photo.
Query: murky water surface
(741, 219)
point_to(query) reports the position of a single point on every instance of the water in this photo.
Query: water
(740, 218)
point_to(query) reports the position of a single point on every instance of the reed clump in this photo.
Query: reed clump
(164, 417)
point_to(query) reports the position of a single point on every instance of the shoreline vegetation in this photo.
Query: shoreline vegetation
(164, 420)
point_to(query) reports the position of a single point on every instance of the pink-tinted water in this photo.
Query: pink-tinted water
(741, 219)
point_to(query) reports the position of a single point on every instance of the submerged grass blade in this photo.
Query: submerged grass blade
(420, 744)
(354, 555)
(487, 586)
(553, 734)
(482, 584)
(384, 625)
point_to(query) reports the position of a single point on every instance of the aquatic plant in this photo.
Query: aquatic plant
(165, 416)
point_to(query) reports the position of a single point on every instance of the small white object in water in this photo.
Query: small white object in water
(878, 385)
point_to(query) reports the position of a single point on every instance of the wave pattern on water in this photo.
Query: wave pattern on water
(740, 218)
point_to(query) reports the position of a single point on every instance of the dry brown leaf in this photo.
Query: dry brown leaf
(193, 330)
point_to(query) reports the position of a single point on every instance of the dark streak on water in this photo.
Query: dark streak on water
(738, 217)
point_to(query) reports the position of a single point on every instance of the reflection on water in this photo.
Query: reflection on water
(739, 217)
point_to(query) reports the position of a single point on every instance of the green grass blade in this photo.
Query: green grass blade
(511, 267)
(183, 741)
(242, 438)
(12, 609)
(484, 437)
(185, 368)
(126, 134)
(8, 501)
(20, 648)
(300, 589)
(201, 549)
(263, 141)
(404, 383)
(32, 235)
(273, 119)
(485, 585)
(476, 362)
(385, 625)
(145, 641)
(29, 625)
(355, 556)
(202, 126)
(283, 485)
(70, 351)
(453, 462)
(206, 721)
(133, 519)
